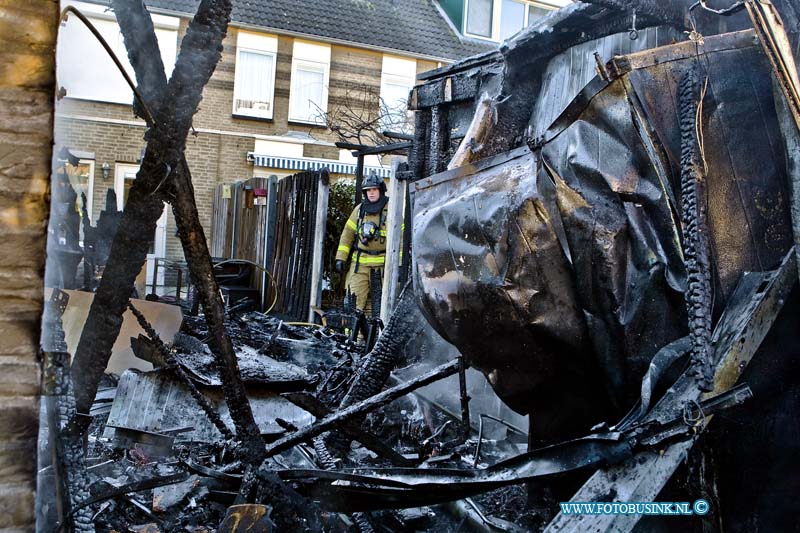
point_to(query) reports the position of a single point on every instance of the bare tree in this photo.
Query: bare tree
(362, 116)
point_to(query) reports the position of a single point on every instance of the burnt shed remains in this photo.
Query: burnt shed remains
(604, 222)
(588, 202)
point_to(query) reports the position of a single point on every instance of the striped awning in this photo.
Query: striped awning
(307, 163)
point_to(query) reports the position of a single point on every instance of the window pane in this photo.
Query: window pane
(479, 17)
(535, 13)
(307, 93)
(254, 84)
(79, 179)
(394, 102)
(512, 18)
(85, 69)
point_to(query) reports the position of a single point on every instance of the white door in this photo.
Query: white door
(123, 180)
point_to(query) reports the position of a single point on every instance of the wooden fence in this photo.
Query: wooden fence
(276, 224)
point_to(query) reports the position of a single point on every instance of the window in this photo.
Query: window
(535, 13)
(479, 17)
(254, 85)
(78, 181)
(308, 96)
(84, 68)
(124, 176)
(308, 88)
(500, 19)
(397, 79)
(512, 18)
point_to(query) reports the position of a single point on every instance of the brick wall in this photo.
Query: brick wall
(111, 143)
(27, 38)
(214, 158)
(425, 66)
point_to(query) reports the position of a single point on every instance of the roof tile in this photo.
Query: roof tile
(416, 27)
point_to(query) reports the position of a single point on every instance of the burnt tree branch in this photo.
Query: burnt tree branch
(190, 230)
(144, 54)
(200, 52)
(361, 408)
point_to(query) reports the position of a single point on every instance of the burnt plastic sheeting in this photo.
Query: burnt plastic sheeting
(495, 280)
(410, 487)
(621, 229)
(551, 320)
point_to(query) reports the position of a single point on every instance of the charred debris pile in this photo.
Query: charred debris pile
(251, 422)
(161, 455)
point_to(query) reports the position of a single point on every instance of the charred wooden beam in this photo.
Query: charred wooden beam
(175, 103)
(200, 52)
(456, 88)
(143, 52)
(361, 408)
(69, 465)
(694, 209)
(439, 139)
(195, 248)
(420, 151)
(673, 12)
(370, 442)
(472, 143)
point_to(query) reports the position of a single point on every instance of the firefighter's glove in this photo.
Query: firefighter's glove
(339, 266)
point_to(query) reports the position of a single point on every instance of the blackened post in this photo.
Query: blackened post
(462, 385)
(359, 177)
(155, 275)
(438, 140)
(178, 283)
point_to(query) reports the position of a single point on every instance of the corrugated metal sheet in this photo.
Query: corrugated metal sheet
(156, 402)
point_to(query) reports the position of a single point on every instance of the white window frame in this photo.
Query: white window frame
(308, 54)
(396, 69)
(497, 8)
(74, 74)
(494, 14)
(121, 173)
(266, 45)
(89, 186)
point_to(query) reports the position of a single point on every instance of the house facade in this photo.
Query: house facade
(285, 65)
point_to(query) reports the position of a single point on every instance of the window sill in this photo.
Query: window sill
(251, 117)
(481, 38)
(298, 122)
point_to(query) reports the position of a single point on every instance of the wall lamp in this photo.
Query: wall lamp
(106, 168)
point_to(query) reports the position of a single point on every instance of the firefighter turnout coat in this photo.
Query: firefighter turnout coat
(367, 253)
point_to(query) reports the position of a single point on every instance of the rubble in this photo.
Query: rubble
(558, 281)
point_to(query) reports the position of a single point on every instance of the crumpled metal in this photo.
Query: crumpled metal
(558, 271)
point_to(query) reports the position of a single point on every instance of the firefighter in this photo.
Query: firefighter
(364, 235)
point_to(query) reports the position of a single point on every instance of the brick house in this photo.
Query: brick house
(284, 63)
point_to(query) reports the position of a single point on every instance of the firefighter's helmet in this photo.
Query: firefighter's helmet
(373, 181)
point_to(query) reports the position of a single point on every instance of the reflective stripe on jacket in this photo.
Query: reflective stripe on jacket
(373, 252)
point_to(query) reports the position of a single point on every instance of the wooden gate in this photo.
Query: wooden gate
(278, 225)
